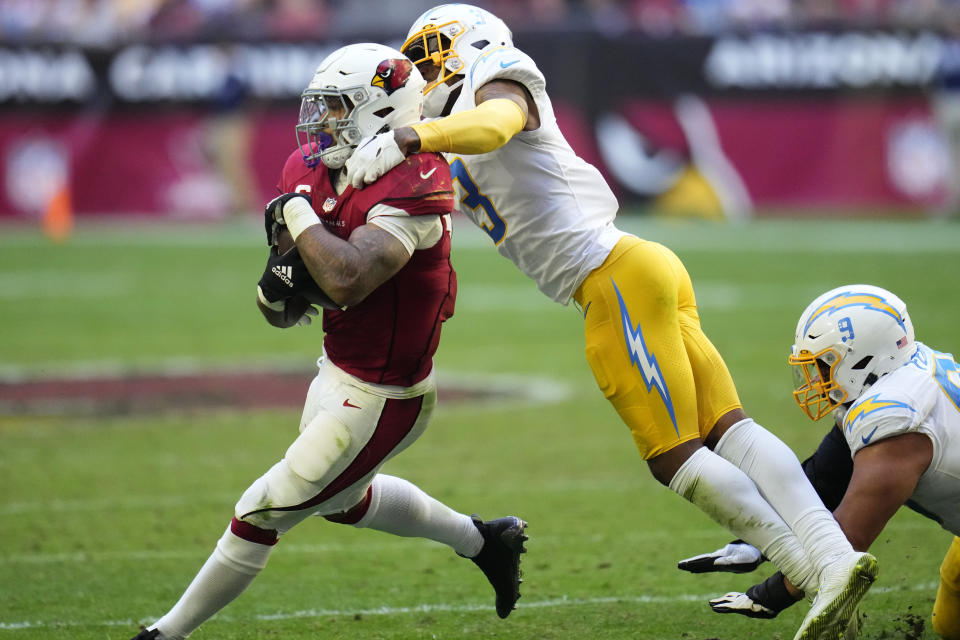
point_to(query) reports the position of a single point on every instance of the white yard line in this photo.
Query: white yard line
(553, 603)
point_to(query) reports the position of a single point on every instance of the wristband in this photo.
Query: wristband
(298, 214)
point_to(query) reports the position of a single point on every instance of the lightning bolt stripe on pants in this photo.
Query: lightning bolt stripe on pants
(645, 361)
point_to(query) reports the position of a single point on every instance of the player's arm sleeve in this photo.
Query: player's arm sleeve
(486, 127)
(830, 467)
(414, 232)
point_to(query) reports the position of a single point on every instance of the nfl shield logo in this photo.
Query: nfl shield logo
(329, 204)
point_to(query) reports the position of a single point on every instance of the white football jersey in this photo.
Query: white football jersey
(546, 209)
(922, 396)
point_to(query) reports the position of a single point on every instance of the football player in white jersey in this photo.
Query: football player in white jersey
(552, 214)
(896, 404)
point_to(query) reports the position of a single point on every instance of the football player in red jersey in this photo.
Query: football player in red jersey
(382, 256)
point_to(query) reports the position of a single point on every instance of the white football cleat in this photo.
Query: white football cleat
(842, 584)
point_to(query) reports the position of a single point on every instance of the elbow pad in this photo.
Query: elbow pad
(484, 128)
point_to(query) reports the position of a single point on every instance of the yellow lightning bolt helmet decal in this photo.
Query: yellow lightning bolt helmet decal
(854, 299)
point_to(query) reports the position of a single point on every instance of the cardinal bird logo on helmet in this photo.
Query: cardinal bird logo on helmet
(392, 74)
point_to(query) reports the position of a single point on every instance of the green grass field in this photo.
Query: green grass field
(105, 519)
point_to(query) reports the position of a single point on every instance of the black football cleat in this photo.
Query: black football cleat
(147, 634)
(499, 559)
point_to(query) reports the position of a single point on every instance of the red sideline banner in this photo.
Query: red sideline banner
(733, 124)
(829, 152)
(182, 164)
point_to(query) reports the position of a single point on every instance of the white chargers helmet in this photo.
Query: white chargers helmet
(357, 91)
(452, 37)
(846, 340)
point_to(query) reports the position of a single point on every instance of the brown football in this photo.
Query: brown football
(284, 240)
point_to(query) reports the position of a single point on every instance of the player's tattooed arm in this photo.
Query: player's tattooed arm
(349, 270)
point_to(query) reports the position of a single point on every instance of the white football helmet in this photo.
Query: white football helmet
(357, 91)
(847, 339)
(452, 37)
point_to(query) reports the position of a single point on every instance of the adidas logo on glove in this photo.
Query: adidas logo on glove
(285, 274)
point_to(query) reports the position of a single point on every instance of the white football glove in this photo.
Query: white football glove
(736, 602)
(736, 557)
(372, 158)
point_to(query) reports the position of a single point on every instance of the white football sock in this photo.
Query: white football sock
(403, 509)
(229, 570)
(775, 469)
(731, 499)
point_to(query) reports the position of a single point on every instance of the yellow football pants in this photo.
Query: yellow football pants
(647, 351)
(946, 610)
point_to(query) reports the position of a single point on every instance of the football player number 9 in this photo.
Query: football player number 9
(474, 199)
(847, 327)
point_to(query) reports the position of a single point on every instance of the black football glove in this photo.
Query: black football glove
(287, 312)
(287, 276)
(763, 600)
(273, 214)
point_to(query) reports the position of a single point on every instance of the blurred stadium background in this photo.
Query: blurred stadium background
(718, 108)
(781, 148)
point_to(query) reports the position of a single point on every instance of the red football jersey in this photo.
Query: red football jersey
(391, 336)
